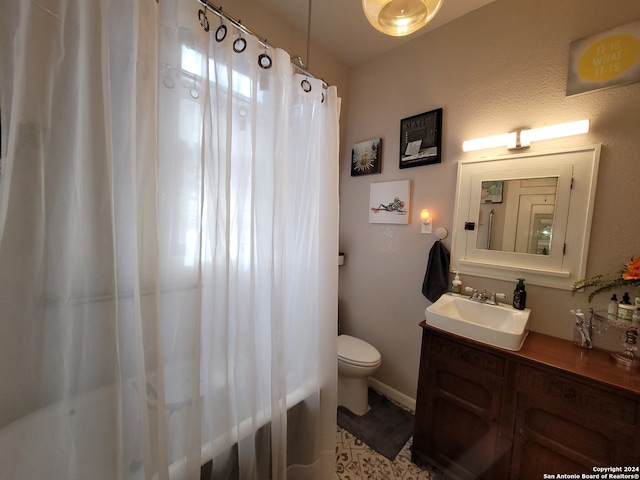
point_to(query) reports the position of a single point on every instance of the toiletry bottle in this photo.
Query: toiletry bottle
(625, 309)
(612, 309)
(520, 296)
(456, 285)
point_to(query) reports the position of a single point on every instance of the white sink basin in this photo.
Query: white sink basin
(498, 325)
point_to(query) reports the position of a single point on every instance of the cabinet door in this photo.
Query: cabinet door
(564, 426)
(457, 416)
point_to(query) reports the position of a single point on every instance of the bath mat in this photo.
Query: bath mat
(386, 427)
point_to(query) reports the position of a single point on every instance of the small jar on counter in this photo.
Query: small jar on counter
(625, 308)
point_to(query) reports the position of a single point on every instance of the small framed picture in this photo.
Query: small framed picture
(421, 139)
(389, 202)
(492, 191)
(366, 157)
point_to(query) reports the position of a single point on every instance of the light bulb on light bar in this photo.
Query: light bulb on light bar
(504, 140)
(523, 138)
(553, 131)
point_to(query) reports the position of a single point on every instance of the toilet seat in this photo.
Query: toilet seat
(357, 352)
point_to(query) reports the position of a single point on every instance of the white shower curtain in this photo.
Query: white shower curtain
(168, 241)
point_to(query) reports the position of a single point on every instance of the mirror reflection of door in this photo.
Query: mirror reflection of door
(523, 221)
(531, 207)
(541, 228)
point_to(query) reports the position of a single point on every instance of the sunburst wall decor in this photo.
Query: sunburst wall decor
(366, 157)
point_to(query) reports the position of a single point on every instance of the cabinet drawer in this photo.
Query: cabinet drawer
(449, 351)
(576, 397)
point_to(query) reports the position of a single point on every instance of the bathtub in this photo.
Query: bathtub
(29, 449)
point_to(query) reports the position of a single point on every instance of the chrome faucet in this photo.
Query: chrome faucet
(493, 300)
(584, 328)
(476, 296)
(481, 297)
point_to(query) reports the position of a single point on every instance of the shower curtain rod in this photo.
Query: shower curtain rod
(296, 60)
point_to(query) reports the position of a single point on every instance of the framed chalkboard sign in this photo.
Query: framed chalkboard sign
(421, 139)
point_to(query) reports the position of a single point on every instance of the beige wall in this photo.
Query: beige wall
(498, 68)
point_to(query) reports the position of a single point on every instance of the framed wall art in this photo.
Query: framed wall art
(366, 157)
(421, 139)
(389, 202)
(491, 192)
(607, 59)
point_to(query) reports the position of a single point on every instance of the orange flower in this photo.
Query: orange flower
(633, 270)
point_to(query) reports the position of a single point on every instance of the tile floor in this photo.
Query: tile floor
(356, 461)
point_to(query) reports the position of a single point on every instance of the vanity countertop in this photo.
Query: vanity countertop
(563, 355)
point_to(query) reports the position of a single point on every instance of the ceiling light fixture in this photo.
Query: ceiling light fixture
(400, 17)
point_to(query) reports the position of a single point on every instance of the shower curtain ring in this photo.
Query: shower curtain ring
(264, 60)
(306, 85)
(221, 32)
(167, 80)
(204, 21)
(239, 45)
(193, 91)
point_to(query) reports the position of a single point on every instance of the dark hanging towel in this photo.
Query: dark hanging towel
(436, 279)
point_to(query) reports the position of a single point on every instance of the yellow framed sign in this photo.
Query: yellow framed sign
(605, 60)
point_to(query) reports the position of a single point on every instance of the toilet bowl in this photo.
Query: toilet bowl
(357, 360)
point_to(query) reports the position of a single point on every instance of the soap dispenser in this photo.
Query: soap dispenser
(519, 295)
(456, 285)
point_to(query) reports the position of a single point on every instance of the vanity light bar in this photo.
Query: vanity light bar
(523, 138)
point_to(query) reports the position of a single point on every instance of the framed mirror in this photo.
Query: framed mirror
(526, 215)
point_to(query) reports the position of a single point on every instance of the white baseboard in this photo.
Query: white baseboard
(393, 394)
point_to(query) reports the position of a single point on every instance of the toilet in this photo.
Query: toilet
(357, 360)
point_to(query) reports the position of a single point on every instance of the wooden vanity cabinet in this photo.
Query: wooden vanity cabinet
(461, 394)
(483, 412)
(564, 425)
